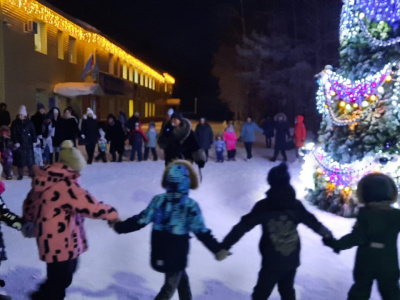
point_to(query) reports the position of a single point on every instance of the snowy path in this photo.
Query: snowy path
(117, 267)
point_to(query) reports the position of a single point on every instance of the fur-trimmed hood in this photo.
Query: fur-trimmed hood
(183, 131)
(179, 176)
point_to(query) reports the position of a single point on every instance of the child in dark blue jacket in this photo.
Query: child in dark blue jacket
(220, 147)
(136, 138)
(174, 215)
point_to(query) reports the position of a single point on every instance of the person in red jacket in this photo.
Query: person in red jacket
(57, 206)
(136, 138)
(299, 133)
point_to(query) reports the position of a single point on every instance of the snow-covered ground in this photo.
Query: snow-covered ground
(117, 266)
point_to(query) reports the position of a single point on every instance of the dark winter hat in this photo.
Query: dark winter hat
(39, 106)
(152, 124)
(176, 115)
(278, 176)
(376, 187)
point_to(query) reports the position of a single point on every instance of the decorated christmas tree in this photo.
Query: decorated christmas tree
(360, 106)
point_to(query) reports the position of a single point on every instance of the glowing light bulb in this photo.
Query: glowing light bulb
(364, 104)
(342, 104)
(355, 105)
(381, 90)
(373, 97)
(388, 78)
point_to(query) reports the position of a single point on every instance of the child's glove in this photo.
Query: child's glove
(17, 145)
(222, 254)
(28, 230)
(201, 163)
(329, 242)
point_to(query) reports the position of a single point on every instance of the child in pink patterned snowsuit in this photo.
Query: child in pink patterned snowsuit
(230, 139)
(57, 205)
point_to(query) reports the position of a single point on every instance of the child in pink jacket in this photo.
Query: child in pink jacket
(230, 139)
(57, 205)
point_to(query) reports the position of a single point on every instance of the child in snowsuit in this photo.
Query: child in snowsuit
(11, 220)
(278, 214)
(48, 134)
(6, 149)
(136, 138)
(174, 215)
(57, 205)
(219, 145)
(102, 146)
(230, 139)
(152, 136)
(375, 233)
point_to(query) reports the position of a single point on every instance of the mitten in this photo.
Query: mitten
(222, 254)
(329, 241)
(201, 163)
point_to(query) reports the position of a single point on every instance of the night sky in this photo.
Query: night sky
(180, 36)
(176, 36)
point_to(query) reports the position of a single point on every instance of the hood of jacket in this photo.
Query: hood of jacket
(282, 197)
(182, 132)
(49, 175)
(300, 119)
(278, 116)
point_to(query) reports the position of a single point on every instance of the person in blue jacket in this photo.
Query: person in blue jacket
(174, 215)
(247, 135)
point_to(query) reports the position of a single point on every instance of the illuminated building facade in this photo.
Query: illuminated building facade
(49, 57)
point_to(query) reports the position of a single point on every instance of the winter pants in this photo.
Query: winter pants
(102, 156)
(21, 171)
(175, 280)
(388, 286)
(220, 156)
(231, 154)
(268, 141)
(7, 169)
(90, 151)
(206, 152)
(59, 278)
(137, 149)
(248, 146)
(283, 152)
(267, 279)
(153, 151)
(116, 148)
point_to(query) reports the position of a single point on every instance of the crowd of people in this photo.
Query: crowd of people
(56, 205)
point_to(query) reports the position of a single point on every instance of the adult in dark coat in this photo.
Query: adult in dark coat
(130, 125)
(116, 136)
(55, 116)
(204, 135)
(278, 214)
(23, 136)
(268, 130)
(179, 142)
(90, 133)
(68, 127)
(5, 118)
(37, 119)
(281, 132)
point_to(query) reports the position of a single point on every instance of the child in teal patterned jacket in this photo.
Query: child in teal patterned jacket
(174, 215)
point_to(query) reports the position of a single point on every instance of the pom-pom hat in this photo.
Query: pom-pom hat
(71, 156)
(278, 176)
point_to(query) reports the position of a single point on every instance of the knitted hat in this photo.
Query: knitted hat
(152, 124)
(180, 176)
(71, 156)
(278, 176)
(170, 111)
(376, 187)
(176, 115)
(90, 111)
(22, 111)
(39, 106)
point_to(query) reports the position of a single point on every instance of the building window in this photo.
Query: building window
(146, 81)
(72, 50)
(118, 70)
(154, 110)
(40, 37)
(146, 109)
(141, 79)
(131, 107)
(130, 77)
(111, 64)
(60, 44)
(124, 70)
(136, 78)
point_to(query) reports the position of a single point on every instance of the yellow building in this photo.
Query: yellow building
(49, 57)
